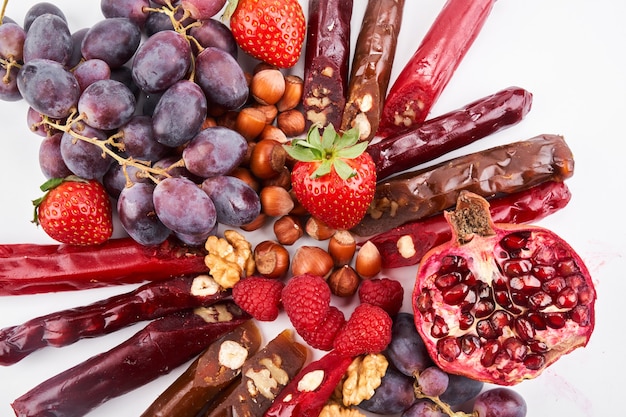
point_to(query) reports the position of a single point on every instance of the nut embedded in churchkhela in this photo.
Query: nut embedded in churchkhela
(271, 259)
(311, 260)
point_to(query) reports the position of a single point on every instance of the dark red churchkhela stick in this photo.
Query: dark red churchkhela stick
(327, 61)
(161, 346)
(450, 131)
(407, 244)
(150, 301)
(428, 71)
(30, 269)
(372, 62)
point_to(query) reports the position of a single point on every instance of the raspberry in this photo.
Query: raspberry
(323, 336)
(259, 297)
(382, 292)
(306, 300)
(368, 330)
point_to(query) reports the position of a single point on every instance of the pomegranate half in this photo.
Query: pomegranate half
(501, 302)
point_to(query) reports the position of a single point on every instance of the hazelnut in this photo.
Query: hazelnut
(294, 86)
(368, 261)
(267, 86)
(344, 281)
(269, 110)
(274, 133)
(318, 230)
(246, 176)
(291, 122)
(342, 247)
(275, 201)
(255, 224)
(288, 229)
(311, 260)
(283, 179)
(271, 259)
(267, 159)
(250, 122)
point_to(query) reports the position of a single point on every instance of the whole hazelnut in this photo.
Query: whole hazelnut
(288, 229)
(267, 86)
(275, 201)
(368, 261)
(267, 159)
(291, 122)
(344, 281)
(342, 247)
(311, 260)
(271, 259)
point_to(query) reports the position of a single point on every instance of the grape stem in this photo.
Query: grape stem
(443, 406)
(106, 146)
(5, 3)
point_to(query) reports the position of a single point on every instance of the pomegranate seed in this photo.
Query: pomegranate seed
(516, 349)
(566, 298)
(539, 300)
(520, 298)
(534, 361)
(537, 346)
(526, 283)
(503, 299)
(517, 267)
(470, 279)
(499, 320)
(580, 315)
(456, 294)
(515, 241)
(524, 328)
(447, 280)
(554, 285)
(465, 321)
(424, 301)
(544, 272)
(484, 307)
(469, 344)
(490, 351)
(485, 329)
(555, 320)
(448, 348)
(537, 321)
(567, 267)
(469, 301)
(585, 295)
(576, 281)
(440, 327)
(452, 263)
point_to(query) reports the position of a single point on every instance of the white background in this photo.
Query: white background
(568, 53)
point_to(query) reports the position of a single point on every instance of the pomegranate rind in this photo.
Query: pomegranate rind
(438, 313)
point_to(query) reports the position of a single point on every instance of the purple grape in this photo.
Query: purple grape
(48, 87)
(114, 40)
(39, 9)
(50, 158)
(461, 389)
(138, 139)
(131, 9)
(9, 90)
(179, 114)
(213, 33)
(236, 203)
(77, 41)
(172, 165)
(221, 77)
(107, 104)
(500, 402)
(90, 71)
(407, 351)
(136, 210)
(83, 158)
(433, 381)
(423, 408)
(215, 151)
(12, 38)
(157, 22)
(124, 75)
(33, 120)
(394, 394)
(183, 207)
(162, 60)
(202, 9)
(48, 38)
(197, 239)
(118, 177)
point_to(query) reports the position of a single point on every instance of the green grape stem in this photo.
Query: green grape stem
(443, 406)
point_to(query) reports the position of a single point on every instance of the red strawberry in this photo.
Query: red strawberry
(306, 300)
(385, 293)
(270, 30)
(323, 336)
(333, 178)
(259, 297)
(368, 330)
(75, 211)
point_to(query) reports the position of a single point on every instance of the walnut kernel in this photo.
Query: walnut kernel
(229, 258)
(363, 377)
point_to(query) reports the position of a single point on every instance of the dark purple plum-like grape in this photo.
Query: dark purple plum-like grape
(107, 104)
(221, 77)
(131, 9)
(407, 351)
(48, 87)
(202, 9)
(138, 139)
(33, 121)
(39, 9)
(423, 408)
(124, 75)
(118, 177)
(394, 394)
(50, 158)
(77, 41)
(197, 239)
(135, 206)
(9, 90)
(236, 203)
(90, 71)
(157, 22)
(162, 60)
(461, 389)
(48, 38)
(500, 402)
(174, 167)
(179, 113)
(114, 40)
(83, 158)
(433, 381)
(12, 38)
(213, 33)
(215, 151)
(183, 207)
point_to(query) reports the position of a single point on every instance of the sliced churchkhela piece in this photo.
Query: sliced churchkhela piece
(373, 58)
(327, 61)
(214, 370)
(500, 170)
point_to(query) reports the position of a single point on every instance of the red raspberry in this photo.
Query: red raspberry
(368, 330)
(259, 297)
(306, 300)
(382, 292)
(323, 336)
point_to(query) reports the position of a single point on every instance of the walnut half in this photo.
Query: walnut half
(363, 376)
(229, 258)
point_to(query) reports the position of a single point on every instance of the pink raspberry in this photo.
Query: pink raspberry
(368, 330)
(323, 336)
(306, 300)
(259, 297)
(382, 292)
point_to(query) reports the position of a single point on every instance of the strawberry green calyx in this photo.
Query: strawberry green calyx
(330, 148)
(51, 184)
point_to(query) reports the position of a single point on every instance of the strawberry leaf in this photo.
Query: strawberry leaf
(344, 170)
(323, 169)
(352, 151)
(329, 138)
